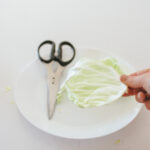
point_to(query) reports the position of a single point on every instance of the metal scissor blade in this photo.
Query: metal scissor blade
(53, 87)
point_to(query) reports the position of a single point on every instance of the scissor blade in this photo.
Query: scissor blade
(53, 89)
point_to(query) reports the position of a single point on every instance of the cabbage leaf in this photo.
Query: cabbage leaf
(93, 83)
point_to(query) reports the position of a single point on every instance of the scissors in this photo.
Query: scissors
(54, 76)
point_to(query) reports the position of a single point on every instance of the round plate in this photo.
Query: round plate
(69, 120)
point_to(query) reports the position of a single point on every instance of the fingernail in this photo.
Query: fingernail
(123, 77)
(139, 96)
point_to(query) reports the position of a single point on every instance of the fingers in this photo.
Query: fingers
(132, 91)
(140, 97)
(135, 82)
(147, 104)
(147, 101)
(143, 97)
(132, 81)
(140, 72)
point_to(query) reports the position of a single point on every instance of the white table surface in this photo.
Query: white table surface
(122, 27)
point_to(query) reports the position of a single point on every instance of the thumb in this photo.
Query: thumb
(132, 81)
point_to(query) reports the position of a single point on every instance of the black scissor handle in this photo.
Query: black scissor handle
(52, 53)
(60, 53)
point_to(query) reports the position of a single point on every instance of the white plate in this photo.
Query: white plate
(70, 121)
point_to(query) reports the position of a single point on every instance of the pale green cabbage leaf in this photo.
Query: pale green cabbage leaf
(92, 83)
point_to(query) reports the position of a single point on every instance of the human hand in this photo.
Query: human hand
(139, 85)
